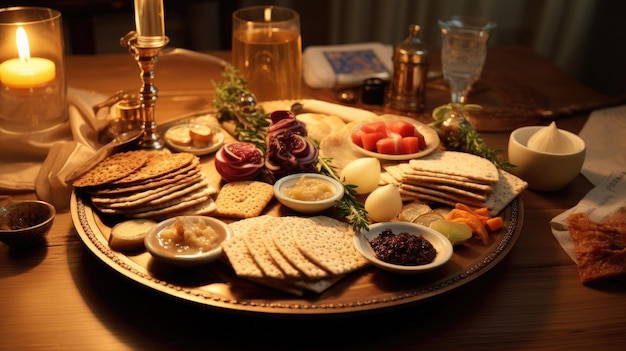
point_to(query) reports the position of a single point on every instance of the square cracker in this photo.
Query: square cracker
(241, 259)
(504, 191)
(330, 244)
(457, 163)
(243, 199)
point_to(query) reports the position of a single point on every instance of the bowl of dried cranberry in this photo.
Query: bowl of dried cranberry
(403, 247)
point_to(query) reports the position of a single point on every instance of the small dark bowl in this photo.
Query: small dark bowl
(25, 223)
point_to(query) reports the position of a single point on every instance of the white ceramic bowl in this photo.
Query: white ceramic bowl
(438, 240)
(25, 223)
(304, 206)
(155, 246)
(543, 170)
(430, 135)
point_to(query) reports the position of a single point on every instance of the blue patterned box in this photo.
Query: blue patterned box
(346, 65)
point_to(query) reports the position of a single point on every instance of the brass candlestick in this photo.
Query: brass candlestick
(146, 58)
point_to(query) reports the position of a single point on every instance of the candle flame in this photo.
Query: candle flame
(267, 14)
(23, 49)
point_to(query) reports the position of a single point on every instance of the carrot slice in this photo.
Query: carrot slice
(483, 211)
(464, 207)
(495, 223)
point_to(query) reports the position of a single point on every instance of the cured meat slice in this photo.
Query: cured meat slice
(600, 247)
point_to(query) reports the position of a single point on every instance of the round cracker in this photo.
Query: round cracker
(112, 168)
(158, 164)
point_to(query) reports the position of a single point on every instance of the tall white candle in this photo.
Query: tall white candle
(150, 23)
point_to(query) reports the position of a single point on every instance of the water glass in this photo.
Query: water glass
(463, 53)
(267, 51)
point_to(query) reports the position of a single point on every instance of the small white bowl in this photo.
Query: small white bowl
(304, 206)
(155, 246)
(438, 240)
(543, 170)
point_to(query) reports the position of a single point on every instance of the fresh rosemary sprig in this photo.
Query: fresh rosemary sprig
(251, 122)
(470, 141)
(348, 206)
(459, 135)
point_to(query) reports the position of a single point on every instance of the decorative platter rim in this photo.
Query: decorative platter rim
(86, 223)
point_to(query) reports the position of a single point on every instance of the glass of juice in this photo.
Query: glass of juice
(267, 51)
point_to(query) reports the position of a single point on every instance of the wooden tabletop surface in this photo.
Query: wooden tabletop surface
(61, 297)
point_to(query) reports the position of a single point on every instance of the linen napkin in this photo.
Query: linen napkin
(41, 161)
(604, 167)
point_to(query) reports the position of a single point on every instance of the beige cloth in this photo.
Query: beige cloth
(40, 162)
(605, 167)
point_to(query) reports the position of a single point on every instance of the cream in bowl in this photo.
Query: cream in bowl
(423, 249)
(308, 192)
(547, 158)
(25, 223)
(187, 240)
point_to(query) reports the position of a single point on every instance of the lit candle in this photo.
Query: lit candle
(26, 72)
(149, 22)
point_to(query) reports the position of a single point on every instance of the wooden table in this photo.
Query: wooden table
(61, 297)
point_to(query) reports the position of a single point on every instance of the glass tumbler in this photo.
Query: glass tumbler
(32, 78)
(267, 51)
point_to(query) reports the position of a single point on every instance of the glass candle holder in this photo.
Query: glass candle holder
(33, 93)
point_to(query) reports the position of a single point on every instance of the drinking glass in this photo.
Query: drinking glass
(463, 53)
(267, 51)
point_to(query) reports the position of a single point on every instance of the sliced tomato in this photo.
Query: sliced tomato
(410, 145)
(356, 136)
(369, 140)
(386, 146)
(404, 128)
(421, 139)
(390, 145)
(372, 127)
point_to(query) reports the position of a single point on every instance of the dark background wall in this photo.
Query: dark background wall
(586, 38)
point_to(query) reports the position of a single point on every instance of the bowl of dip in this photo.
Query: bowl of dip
(308, 192)
(549, 165)
(187, 240)
(427, 248)
(25, 223)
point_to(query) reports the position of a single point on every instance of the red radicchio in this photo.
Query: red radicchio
(286, 120)
(239, 161)
(288, 149)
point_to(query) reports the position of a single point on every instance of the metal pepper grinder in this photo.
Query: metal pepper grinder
(407, 91)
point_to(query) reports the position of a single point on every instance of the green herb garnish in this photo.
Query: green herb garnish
(459, 135)
(348, 206)
(470, 141)
(251, 122)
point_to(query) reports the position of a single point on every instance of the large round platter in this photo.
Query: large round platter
(368, 290)
(430, 135)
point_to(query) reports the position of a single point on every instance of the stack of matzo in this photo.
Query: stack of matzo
(293, 253)
(450, 177)
(148, 184)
